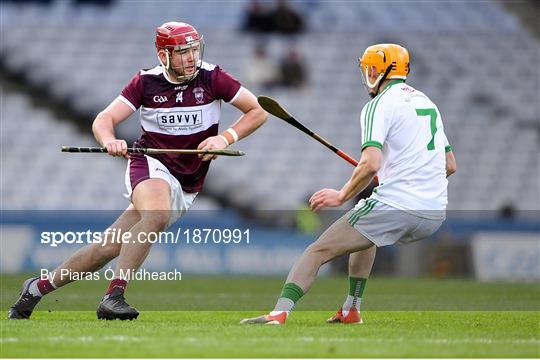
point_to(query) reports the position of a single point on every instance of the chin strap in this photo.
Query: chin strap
(166, 67)
(169, 69)
(378, 82)
(388, 69)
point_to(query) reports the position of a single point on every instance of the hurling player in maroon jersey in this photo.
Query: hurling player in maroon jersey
(179, 103)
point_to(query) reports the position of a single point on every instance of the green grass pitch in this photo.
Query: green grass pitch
(198, 317)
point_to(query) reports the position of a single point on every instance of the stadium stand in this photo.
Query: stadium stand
(37, 176)
(474, 59)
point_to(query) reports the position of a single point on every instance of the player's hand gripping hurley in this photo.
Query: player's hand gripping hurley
(150, 151)
(274, 108)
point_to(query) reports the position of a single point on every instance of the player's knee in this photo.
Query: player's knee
(157, 220)
(101, 254)
(108, 252)
(322, 252)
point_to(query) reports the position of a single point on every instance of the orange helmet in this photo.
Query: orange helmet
(391, 61)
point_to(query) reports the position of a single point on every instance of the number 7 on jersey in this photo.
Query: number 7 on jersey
(432, 113)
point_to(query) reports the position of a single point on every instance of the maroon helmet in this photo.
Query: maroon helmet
(179, 37)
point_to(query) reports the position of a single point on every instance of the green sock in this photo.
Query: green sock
(356, 289)
(356, 286)
(290, 294)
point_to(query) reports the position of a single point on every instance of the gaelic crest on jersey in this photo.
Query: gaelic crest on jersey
(198, 92)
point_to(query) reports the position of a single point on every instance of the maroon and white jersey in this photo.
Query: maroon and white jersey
(179, 116)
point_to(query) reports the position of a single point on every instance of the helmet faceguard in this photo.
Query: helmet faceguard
(179, 38)
(390, 61)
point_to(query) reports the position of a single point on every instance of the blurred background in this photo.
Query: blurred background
(63, 61)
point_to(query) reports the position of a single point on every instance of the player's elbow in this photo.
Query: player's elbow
(95, 127)
(370, 161)
(373, 168)
(258, 117)
(261, 115)
(451, 168)
(451, 165)
(102, 119)
(370, 166)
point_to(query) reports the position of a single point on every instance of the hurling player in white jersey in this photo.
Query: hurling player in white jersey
(179, 103)
(404, 144)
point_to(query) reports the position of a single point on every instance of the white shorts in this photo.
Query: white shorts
(140, 170)
(385, 225)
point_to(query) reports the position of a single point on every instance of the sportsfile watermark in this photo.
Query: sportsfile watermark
(117, 236)
(236, 269)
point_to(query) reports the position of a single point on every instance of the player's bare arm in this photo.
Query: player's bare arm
(451, 165)
(363, 174)
(253, 117)
(104, 123)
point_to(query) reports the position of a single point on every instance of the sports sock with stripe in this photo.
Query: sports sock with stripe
(356, 289)
(290, 294)
(117, 284)
(41, 287)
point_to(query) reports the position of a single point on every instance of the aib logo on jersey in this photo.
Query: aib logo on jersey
(199, 95)
(159, 99)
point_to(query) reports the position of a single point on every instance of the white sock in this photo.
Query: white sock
(33, 289)
(274, 313)
(283, 304)
(349, 303)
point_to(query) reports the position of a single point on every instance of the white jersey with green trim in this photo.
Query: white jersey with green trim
(407, 126)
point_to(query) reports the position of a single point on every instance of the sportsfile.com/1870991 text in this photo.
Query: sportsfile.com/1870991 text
(117, 236)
